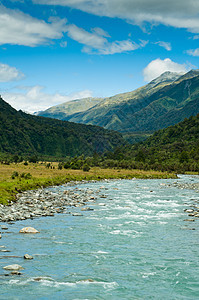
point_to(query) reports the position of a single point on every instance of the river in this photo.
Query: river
(134, 244)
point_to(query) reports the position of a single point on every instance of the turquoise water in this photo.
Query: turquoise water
(135, 244)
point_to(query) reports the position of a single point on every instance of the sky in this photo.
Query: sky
(53, 51)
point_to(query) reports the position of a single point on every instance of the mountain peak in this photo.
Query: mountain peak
(166, 77)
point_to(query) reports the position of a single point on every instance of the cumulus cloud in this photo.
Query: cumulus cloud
(193, 52)
(18, 28)
(156, 67)
(95, 42)
(8, 73)
(32, 99)
(165, 45)
(179, 14)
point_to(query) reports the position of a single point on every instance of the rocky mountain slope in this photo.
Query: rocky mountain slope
(165, 101)
(62, 111)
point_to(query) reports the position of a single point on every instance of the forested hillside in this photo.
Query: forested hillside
(175, 148)
(24, 134)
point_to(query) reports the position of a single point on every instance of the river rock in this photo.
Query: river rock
(77, 215)
(28, 230)
(86, 208)
(15, 273)
(27, 256)
(4, 227)
(14, 267)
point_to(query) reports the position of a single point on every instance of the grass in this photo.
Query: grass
(43, 177)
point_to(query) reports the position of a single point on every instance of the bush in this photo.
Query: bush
(60, 166)
(28, 176)
(25, 163)
(33, 159)
(86, 168)
(14, 174)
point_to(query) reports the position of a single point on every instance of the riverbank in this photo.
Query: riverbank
(16, 178)
(48, 202)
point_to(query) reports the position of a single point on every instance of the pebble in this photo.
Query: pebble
(44, 202)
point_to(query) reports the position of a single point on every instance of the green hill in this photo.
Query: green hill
(175, 148)
(24, 134)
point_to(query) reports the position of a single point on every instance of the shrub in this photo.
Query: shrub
(60, 166)
(86, 168)
(14, 174)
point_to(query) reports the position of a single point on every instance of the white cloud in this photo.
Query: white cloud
(193, 52)
(18, 28)
(84, 37)
(8, 73)
(179, 14)
(100, 31)
(32, 99)
(119, 47)
(156, 67)
(165, 45)
(95, 42)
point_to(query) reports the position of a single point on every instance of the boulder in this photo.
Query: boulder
(27, 256)
(14, 267)
(28, 230)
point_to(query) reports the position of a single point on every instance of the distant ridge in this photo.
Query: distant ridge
(164, 101)
(65, 109)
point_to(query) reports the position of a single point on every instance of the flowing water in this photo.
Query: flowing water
(135, 244)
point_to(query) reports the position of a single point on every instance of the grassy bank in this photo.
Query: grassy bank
(15, 178)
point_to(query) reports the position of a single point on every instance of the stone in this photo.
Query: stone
(4, 227)
(27, 256)
(86, 208)
(15, 273)
(77, 215)
(87, 280)
(14, 267)
(28, 230)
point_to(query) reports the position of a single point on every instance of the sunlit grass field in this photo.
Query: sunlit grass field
(15, 178)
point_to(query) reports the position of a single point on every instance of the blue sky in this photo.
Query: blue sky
(52, 51)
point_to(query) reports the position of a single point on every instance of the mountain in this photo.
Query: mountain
(24, 134)
(65, 109)
(165, 101)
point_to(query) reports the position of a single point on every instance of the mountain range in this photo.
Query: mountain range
(163, 102)
(25, 134)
